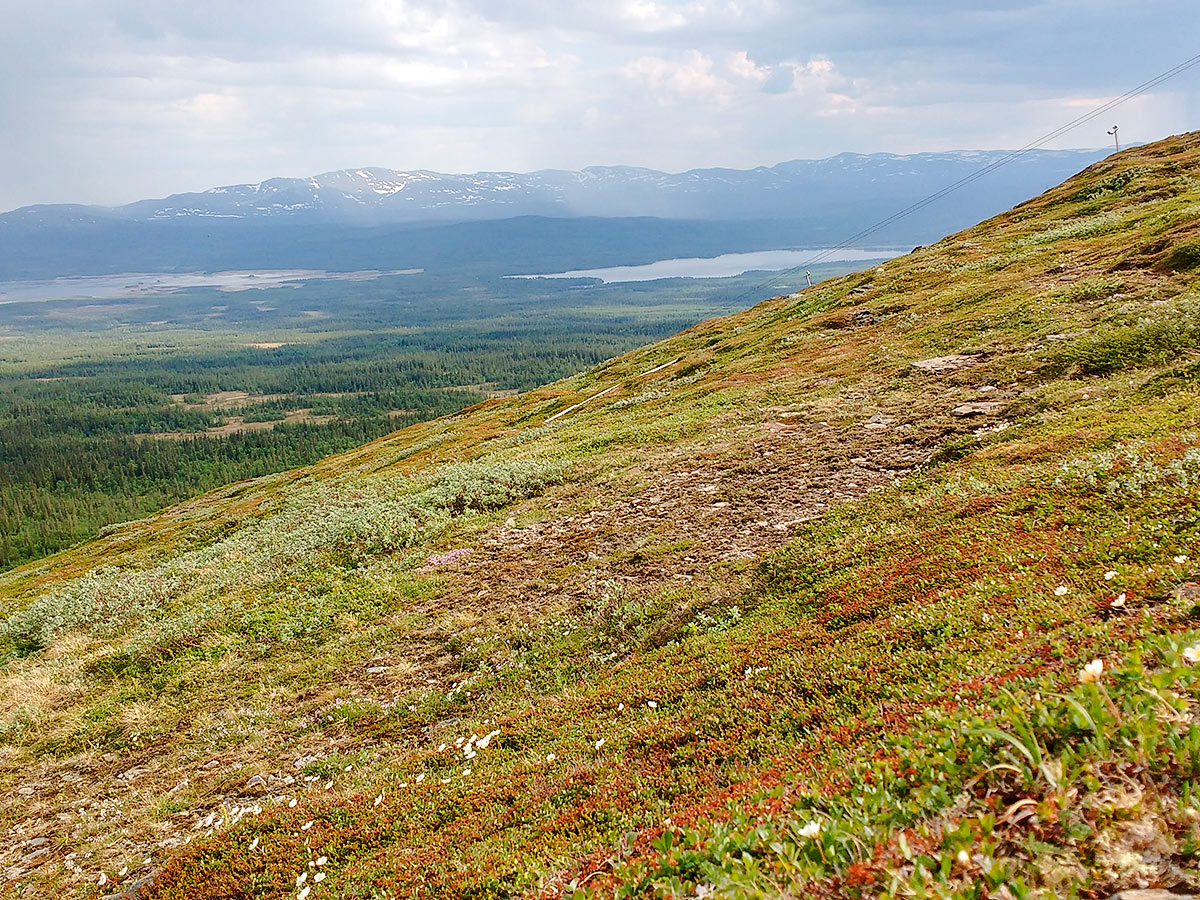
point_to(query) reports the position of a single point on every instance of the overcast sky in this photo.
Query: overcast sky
(109, 101)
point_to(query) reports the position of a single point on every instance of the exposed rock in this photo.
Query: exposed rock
(976, 408)
(307, 760)
(256, 783)
(1189, 590)
(943, 365)
(36, 858)
(1151, 894)
(133, 891)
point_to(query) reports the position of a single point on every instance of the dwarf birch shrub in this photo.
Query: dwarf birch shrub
(98, 602)
(1129, 471)
(356, 522)
(484, 486)
(1075, 228)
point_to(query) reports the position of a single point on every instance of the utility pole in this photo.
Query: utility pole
(808, 275)
(1116, 140)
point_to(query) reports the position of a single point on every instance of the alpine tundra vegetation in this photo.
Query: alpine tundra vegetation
(884, 588)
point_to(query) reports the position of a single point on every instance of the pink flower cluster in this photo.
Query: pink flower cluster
(442, 559)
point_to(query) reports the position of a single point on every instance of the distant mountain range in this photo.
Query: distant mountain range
(374, 196)
(812, 202)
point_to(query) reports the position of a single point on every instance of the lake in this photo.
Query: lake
(142, 284)
(724, 266)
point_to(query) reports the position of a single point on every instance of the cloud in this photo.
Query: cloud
(112, 100)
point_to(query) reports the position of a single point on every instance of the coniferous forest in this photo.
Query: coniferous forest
(112, 409)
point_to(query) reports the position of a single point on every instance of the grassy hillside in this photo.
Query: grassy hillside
(764, 609)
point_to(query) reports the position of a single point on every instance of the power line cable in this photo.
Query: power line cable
(967, 179)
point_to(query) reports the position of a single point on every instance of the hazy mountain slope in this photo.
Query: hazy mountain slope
(760, 610)
(379, 218)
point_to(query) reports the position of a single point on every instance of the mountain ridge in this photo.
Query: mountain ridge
(377, 195)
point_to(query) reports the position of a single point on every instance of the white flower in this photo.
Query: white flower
(620, 707)
(1119, 603)
(1092, 671)
(379, 799)
(1110, 575)
(1192, 653)
(292, 803)
(600, 743)
(254, 843)
(303, 895)
(318, 878)
(811, 830)
(102, 880)
(963, 857)
(652, 704)
(1180, 560)
(301, 878)
(1061, 590)
(550, 757)
(321, 860)
(466, 771)
(307, 825)
(420, 778)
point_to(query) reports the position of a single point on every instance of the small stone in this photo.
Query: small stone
(377, 670)
(1151, 894)
(309, 759)
(34, 843)
(36, 858)
(256, 782)
(12, 873)
(211, 764)
(976, 408)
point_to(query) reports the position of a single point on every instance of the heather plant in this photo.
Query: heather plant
(1028, 795)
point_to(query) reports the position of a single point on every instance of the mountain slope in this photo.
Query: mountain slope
(762, 609)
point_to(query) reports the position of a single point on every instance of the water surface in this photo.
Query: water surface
(724, 266)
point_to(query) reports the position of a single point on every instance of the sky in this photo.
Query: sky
(110, 101)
